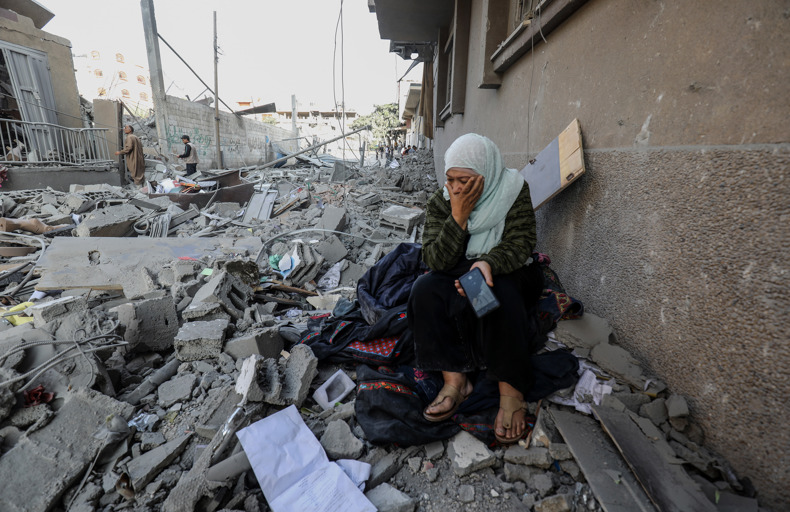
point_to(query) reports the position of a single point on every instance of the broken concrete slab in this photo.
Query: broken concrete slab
(534, 456)
(585, 332)
(45, 312)
(389, 499)
(333, 219)
(58, 454)
(150, 324)
(247, 382)
(177, 390)
(655, 410)
(143, 469)
(265, 342)
(468, 454)
(112, 221)
(332, 249)
(339, 442)
(200, 340)
(618, 361)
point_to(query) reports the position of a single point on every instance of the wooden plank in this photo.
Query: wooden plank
(667, 485)
(557, 166)
(615, 487)
(106, 263)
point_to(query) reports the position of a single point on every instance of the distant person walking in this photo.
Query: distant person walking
(190, 155)
(133, 153)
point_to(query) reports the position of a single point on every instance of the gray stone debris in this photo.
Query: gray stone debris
(200, 340)
(200, 354)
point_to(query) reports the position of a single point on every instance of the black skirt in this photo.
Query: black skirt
(448, 336)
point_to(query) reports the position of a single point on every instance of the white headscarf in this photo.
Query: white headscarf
(502, 186)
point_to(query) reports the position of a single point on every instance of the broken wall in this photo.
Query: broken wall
(677, 233)
(20, 30)
(243, 141)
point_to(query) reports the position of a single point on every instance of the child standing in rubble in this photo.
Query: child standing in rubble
(482, 219)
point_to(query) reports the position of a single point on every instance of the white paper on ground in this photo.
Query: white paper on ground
(588, 390)
(293, 470)
(357, 471)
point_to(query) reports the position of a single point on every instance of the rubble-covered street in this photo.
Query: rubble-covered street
(140, 335)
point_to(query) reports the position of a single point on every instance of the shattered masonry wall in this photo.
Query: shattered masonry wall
(22, 32)
(678, 233)
(244, 141)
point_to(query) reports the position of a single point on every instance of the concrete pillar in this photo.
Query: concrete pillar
(107, 114)
(155, 69)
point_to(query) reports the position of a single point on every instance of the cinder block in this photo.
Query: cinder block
(200, 340)
(151, 323)
(227, 290)
(264, 342)
(48, 311)
(401, 218)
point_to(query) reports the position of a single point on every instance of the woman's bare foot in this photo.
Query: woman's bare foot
(510, 424)
(445, 402)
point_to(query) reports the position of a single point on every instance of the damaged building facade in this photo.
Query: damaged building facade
(677, 231)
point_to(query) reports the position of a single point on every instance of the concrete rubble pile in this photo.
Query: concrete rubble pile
(129, 398)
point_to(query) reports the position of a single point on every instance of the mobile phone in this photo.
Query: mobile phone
(480, 296)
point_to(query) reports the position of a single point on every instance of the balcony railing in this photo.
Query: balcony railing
(25, 143)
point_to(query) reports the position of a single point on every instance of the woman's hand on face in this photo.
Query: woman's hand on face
(485, 269)
(463, 202)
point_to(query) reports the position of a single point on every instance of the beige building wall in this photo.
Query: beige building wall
(19, 30)
(678, 233)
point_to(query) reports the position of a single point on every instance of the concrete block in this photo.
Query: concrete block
(150, 440)
(389, 499)
(632, 401)
(339, 442)
(382, 470)
(401, 218)
(655, 410)
(542, 483)
(677, 407)
(200, 340)
(352, 274)
(536, 456)
(434, 450)
(110, 221)
(559, 451)
(298, 373)
(143, 469)
(332, 249)
(247, 382)
(26, 416)
(60, 453)
(333, 219)
(150, 324)
(47, 311)
(468, 454)
(204, 312)
(227, 290)
(177, 390)
(518, 472)
(263, 342)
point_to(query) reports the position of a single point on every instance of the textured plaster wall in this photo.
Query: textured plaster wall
(243, 141)
(678, 233)
(61, 65)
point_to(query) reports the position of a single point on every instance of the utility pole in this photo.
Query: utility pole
(155, 69)
(216, 96)
(293, 117)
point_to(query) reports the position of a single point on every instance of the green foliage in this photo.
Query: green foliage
(381, 121)
(269, 120)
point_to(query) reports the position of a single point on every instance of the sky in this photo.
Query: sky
(270, 49)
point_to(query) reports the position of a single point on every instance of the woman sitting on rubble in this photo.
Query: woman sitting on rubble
(482, 219)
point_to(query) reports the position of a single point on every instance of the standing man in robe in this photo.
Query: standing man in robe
(190, 155)
(133, 151)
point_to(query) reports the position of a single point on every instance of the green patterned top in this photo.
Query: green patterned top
(444, 242)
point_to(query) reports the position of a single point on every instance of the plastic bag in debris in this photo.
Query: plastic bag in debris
(394, 164)
(144, 422)
(331, 279)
